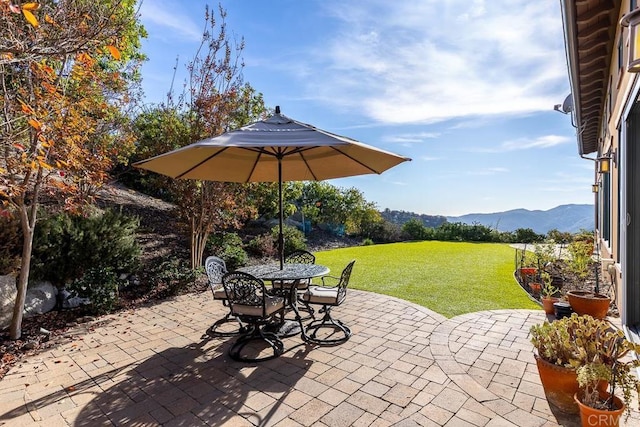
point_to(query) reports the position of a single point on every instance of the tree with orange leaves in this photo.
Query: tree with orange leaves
(67, 67)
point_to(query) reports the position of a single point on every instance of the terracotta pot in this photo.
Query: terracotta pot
(528, 271)
(536, 288)
(547, 304)
(595, 305)
(560, 385)
(592, 417)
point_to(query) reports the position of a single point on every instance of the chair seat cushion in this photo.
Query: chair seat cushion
(219, 293)
(272, 304)
(321, 295)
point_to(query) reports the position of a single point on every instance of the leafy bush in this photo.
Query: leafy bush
(386, 232)
(263, 246)
(414, 229)
(101, 286)
(367, 242)
(173, 275)
(66, 246)
(10, 244)
(228, 246)
(294, 239)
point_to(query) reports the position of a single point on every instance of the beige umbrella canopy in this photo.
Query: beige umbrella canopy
(273, 150)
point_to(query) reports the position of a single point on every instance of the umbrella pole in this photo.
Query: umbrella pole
(281, 220)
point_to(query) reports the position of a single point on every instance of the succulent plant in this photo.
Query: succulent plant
(594, 349)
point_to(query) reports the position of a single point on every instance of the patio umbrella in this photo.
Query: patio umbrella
(273, 150)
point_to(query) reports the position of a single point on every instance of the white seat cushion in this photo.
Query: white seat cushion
(219, 293)
(321, 295)
(272, 304)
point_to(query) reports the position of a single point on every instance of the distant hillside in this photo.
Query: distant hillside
(400, 217)
(571, 218)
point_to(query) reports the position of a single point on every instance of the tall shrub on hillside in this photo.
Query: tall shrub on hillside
(215, 100)
(67, 69)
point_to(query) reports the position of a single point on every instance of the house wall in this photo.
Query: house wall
(617, 97)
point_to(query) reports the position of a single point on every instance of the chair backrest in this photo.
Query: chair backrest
(216, 268)
(244, 289)
(300, 257)
(344, 281)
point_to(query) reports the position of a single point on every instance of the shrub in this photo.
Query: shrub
(263, 245)
(294, 239)
(414, 229)
(101, 286)
(228, 246)
(386, 232)
(173, 275)
(10, 244)
(66, 246)
(367, 242)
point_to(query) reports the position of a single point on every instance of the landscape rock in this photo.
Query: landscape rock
(68, 300)
(8, 293)
(41, 298)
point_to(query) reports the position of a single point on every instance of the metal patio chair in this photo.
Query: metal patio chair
(216, 268)
(328, 297)
(251, 303)
(296, 257)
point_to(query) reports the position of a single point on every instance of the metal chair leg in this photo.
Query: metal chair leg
(214, 332)
(256, 334)
(311, 330)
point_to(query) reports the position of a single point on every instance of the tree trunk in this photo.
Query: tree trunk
(28, 228)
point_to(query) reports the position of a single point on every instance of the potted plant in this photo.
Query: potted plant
(549, 293)
(564, 345)
(586, 302)
(556, 358)
(602, 360)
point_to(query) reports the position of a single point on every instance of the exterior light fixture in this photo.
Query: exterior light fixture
(604, 162)
(594, 188)
(604, 165)
(632, 20)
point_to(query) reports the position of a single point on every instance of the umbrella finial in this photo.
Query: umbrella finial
(277, 109)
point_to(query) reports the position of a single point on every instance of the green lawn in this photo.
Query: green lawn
(449, 278)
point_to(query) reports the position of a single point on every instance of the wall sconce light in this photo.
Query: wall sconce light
(594, 188)
(604, 162)
(632, 20)
(604, 165)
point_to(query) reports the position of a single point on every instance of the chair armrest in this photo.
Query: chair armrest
(337, 279)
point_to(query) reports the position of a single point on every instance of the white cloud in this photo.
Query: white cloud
(411, 137)
(170, 16)
(488, 171)
(430, 158)
(546, 141)
(540, 142)
(429, 61)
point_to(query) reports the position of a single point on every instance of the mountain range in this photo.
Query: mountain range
(571, 218)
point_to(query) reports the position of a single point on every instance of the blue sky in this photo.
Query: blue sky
(465, 88)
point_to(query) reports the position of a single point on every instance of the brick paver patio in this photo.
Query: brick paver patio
(404, 366)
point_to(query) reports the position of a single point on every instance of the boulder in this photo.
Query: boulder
(68, 300)
(8, 293)
(41, 298)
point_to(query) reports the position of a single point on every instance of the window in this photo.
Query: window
(620, 53)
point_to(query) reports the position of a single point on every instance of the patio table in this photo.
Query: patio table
(289, 274)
